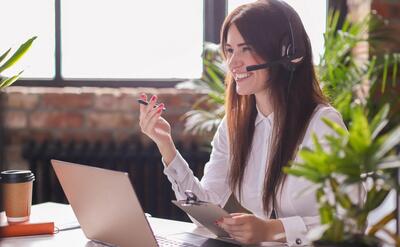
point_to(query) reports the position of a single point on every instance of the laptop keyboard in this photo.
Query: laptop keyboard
(165, 242)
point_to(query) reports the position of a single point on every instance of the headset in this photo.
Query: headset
(292, 55)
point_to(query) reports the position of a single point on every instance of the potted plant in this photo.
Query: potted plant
(6, 64)
(354, 160)
(208, 110)
(362, 158)
(344, 77)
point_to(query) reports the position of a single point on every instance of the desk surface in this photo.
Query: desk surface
(62, 215)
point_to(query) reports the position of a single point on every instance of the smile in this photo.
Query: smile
(242, 76)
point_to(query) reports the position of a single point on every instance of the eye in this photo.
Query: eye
(247, 49)
(228, 50)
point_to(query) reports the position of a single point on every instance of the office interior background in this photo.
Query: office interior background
(76, 100)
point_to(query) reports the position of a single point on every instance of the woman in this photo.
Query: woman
(271, 111)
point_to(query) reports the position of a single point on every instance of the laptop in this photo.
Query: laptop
(109, 211)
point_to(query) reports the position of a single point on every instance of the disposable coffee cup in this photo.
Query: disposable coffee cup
(17, 194)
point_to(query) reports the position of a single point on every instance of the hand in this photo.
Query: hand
(151, 122)
(249, 229)
(156, 127)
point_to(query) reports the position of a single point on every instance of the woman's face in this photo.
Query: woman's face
(239, 55)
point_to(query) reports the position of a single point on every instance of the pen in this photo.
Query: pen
(146, 103)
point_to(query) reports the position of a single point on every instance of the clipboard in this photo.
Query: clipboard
(205, 213)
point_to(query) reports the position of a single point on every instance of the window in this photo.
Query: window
(127, 39)
(313, 14)
(131, 39)
(21, 20)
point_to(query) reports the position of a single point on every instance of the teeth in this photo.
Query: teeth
(242, 76)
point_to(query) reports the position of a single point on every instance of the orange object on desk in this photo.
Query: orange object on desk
(26, 228)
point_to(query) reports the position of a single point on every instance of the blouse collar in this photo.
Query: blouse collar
(261, 117)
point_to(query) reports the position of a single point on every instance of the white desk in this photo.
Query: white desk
(62, 214)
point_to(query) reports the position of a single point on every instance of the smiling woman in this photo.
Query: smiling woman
(273, 105)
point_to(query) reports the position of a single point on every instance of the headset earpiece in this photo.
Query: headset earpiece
(291, 52)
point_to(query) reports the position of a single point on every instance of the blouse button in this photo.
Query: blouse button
(298, 241)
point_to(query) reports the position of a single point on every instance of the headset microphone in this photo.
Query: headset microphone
(262, 66)
(288, 63)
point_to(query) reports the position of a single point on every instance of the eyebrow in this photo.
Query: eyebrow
(241, 44)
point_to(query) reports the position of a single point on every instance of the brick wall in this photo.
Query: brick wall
(81, 114)
(390, 10)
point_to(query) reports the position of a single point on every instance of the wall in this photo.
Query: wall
(390, 10)
(81, 114)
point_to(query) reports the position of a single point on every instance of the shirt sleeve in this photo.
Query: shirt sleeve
(214, 186)
(297, 227)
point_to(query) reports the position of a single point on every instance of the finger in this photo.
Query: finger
(237, 235)
(151, 113)
(232, 221)
(232, 228)
(152, 103)
(153, 120)
(242, 237)
(241, 218)
(142, 107)
(150, 128)
(146, 120)
(150, 106)
(236, 214)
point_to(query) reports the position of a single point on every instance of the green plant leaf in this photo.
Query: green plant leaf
(390, 141)
(360, 135)
(385, 72)
(379, 121)
(342, 198)
(317, 145)
(5, 82)
(4, 55)
(18, 54)
(336, 127)
(303, 171)
(375, 198)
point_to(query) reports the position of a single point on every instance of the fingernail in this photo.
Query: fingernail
(153, 98)
(161, 105)
(159, 110)
(143, 96)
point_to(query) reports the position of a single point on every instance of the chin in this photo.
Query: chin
(243, 91)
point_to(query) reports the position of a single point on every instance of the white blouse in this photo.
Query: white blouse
(298, 211)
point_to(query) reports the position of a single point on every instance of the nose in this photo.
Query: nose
(235, 62)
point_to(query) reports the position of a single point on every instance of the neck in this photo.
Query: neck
(263, 103)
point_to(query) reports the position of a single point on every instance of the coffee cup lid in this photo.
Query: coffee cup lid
(16, 176)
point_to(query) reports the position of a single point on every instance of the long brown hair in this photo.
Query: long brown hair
(264, 25)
